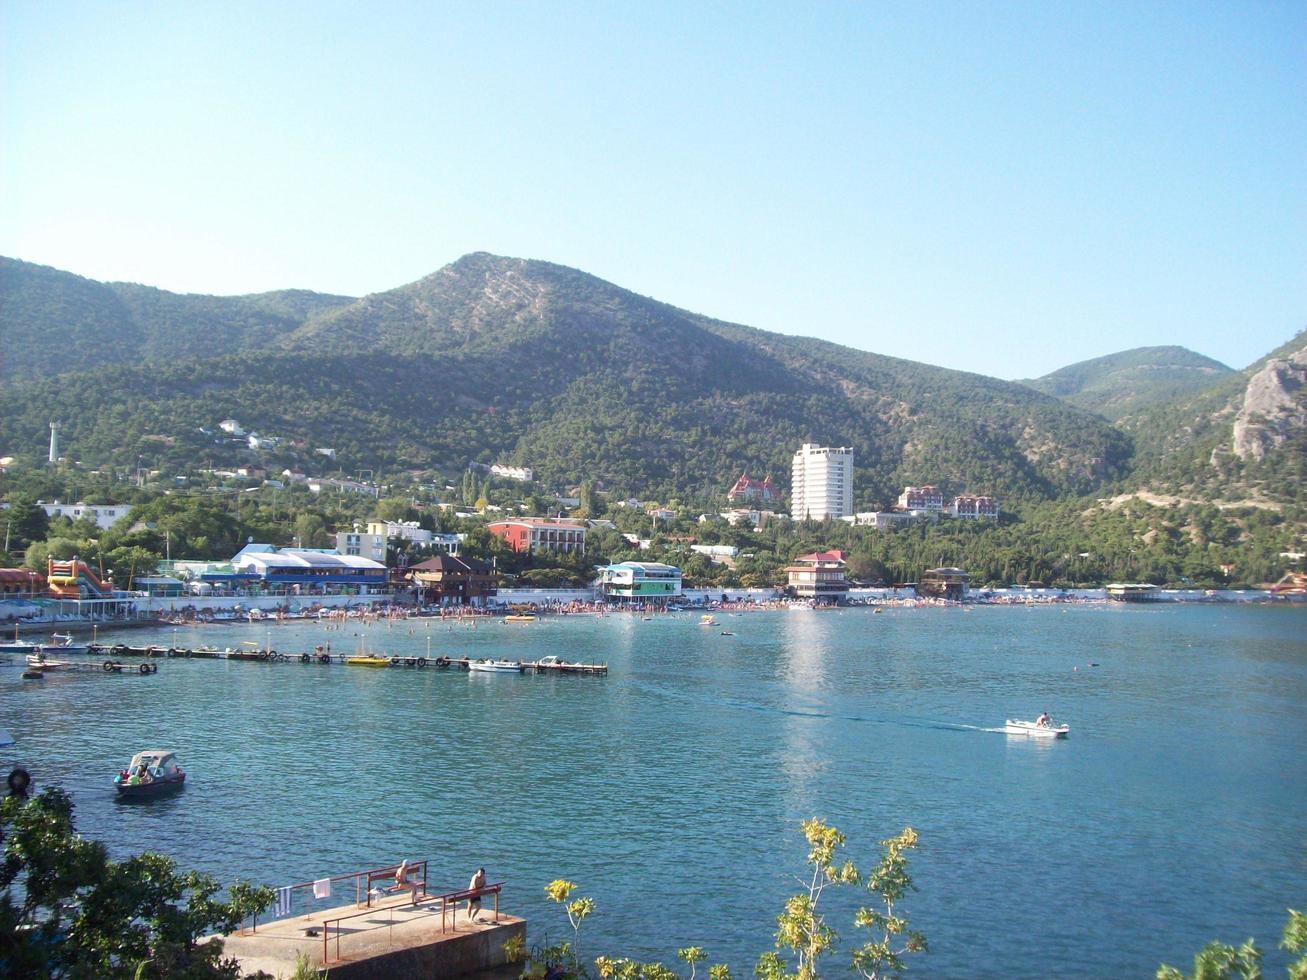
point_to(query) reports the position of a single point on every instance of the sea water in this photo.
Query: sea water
(672, 790)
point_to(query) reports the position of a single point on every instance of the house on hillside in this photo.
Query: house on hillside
(747, 488)
(974, 508)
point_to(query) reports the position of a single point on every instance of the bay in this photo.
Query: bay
(672, 789)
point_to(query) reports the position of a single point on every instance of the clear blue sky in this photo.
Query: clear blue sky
(999, 187)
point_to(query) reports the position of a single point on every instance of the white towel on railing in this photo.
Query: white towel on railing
(282, 905)
(322, 888)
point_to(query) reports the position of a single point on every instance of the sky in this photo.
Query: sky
(1004, 188)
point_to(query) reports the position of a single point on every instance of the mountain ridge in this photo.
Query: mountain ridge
(537, 363)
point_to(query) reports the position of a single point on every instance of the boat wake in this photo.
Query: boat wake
(741, 705)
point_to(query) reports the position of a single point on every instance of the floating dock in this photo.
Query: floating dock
(547, 665)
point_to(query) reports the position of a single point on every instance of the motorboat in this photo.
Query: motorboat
(505, 666)
(63, 643)
(17, 646)
(37, 661)
(152, 773)
(707, 620)
(1050, 729)
(368, 661)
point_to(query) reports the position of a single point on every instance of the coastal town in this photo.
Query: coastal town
(409, 563)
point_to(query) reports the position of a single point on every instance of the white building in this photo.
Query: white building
(926, 500)
(822, 486)
(523, 473)
(231, 426)
(105, 515)
(716, 552)
(879, 519)
(640, 581)
(974, 507)
(344, 486)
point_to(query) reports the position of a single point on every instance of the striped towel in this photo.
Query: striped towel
(282, 905)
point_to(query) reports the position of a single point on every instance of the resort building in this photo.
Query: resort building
(974, 508)
(819, 576)
(104, 515)
(747, 488)
(879, 519)
(450, 581)
(344, 486)
(944, 583)
(306, 569)
(523, 473)
(532, 534)
(822, 487)
(926, 500)
(640, 581)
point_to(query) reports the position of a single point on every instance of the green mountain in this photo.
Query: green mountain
(54, 322)
(1245, 437)
(1123, 384)
(497, 359)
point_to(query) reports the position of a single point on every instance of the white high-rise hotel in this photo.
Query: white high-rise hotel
(823, 483)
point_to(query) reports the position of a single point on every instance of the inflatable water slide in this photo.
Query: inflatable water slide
(74, 580)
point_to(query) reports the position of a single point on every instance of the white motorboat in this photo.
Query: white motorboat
(1034, 729)
(37, 661)
(63, 643)
(496, 665)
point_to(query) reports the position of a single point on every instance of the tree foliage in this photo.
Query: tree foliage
(67, 910)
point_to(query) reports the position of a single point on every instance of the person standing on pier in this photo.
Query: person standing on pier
(474, 903)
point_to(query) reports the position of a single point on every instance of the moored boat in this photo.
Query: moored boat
(1049, 729)
(368, 661)
(506, 666)
(151, 773)
(63, 643)
(519, 618)
(37, 661)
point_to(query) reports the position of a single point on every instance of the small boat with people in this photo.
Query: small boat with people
(707, 619)
(1041, 727)
(38, 661)
(63, 643)
(504, 666)
(151, 773)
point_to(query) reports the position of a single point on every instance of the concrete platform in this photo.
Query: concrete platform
(391, 941)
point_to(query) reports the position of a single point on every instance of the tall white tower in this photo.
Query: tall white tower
(54, 442)
(822, 487)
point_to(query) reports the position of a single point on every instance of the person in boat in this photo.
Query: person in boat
(1043, 721)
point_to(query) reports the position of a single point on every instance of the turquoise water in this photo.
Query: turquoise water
(672, 789)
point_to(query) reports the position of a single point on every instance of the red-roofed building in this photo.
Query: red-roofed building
(21, 581)
(819, 576)
(534, 534)
(928, 499)
(747, 488)
(974, 507)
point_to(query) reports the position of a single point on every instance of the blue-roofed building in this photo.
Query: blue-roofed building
(308, 568)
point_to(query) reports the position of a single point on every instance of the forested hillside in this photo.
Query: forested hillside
(53, 322)
(1123, 384)
(504, 359)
